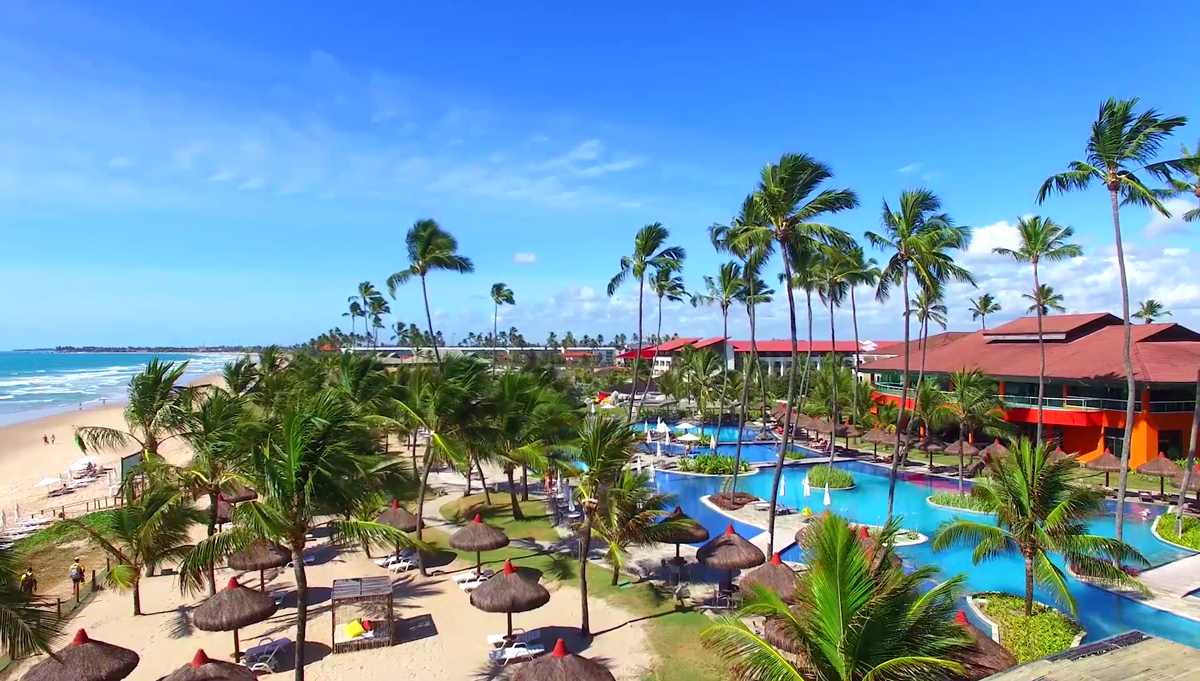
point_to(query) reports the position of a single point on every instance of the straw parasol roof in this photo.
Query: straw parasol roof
(774, 575)
(562, 665)
(1059, 455)
(239, 493)
(224, 511)
(1194, 484)
(85, 660)
(690, 533)
(774, 633)
(509, 592)
(1105, 463)
(261, 555)
(232, 608)
(478, 536)
(1160, 466)
(201, 668)
(821, 425)
(849, 430)
(398, 517)
(995, 450)
(879, 436)
(729, 551)
(961, 447)
(984, 657)
(930, 445)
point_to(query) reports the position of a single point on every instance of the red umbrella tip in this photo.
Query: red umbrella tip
(1161, 455)
(960, 618)
(1107, 450)
(775, 559)
(200, 659)
(508, 567)
(863, 532)
(478, 519)
(81, 637)
(233, 583)
(678, 511)
(395, 504)
(560, 649)
(729, 529)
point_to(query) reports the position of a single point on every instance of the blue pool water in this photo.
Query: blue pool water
(1101, 613)
(728, 433)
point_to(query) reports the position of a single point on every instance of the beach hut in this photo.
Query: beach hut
(729, 552)
(85, 660)
(478, 536)
(562, 665)
(509, 592)
(261, 555)
(232, 608)
(1162, 468)
(774, 575)
(372, 598)
(1105, 463)
(201, 668)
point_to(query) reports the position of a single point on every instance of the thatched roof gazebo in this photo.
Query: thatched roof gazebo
(260, 555)
(995, 450)
(931, 446)
(878, 436)
(729, 552)
(478, 536)
(232, 608)
(398, 517)
(1105, 463)
(774, 633)
(201, 668)
(562, 665)
(690, 533)
(372, 597)
(224, 511)
(85, 660)
(1193, 482)
(1059, 455)
(984, 657)
(1162, 468)
(509, 592)
(774, 575)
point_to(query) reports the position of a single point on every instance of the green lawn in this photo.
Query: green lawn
(674, 635)
(1191, 530)
(1046, 632)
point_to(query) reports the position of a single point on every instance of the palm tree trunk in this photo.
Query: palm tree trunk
(1191, 461)
(657, 335)
(512, 495)
(585, 547)
(746, 364)
(1130, 384)
(429, 319)
(962, 428)
(616, 574)
(487, 495)
(924, 335)
(301, 603)
(791, 398)
(833, 413)
(1028, 586)
(903, 402)
(524, 483)
(716, 440)
(1037, 292)
(137, 593)
(857, 347)
(424, 487)
(414, 452)
(808, 351)
(212, 529)
(637, 358)
(495, 327)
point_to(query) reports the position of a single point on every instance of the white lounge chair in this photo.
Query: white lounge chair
(261, 658)
(518, 651)
(471, 584)
(406, 554)
(402, 565)
(471, 576)
(308, 560)
(503, 641)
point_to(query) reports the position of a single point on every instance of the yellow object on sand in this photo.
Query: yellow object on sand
(354, 629)
(806, 512)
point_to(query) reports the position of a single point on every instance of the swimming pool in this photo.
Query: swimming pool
(728, 433)
(1101, 613)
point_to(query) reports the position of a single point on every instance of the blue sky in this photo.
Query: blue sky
(229, 172)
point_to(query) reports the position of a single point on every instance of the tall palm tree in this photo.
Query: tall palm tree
(858, 617)
(1042, 239)
(722, 292)
(1150, 310)
(1122, 144)
(976, 407)
(698, 369)
(860, 271)
(835, 270)
(430, 249)
(632, 513)
(931, 408)
(1043, 300)
(1038, 511)
(377, 308)
(790, 202)
(153, 414)
(928, 307)
(665, 284)
(920, 239)
(605, 446)
(530, 417)
(501, 295)
(354, 312)
(27, 623)
(983, 306)
(649, 250)
(1188, 165)
(808, 263)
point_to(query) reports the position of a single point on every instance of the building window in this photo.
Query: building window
(1112, 440)
(1170, 442)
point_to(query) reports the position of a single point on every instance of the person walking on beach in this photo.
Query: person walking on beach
(45, 439)
(76, 573)
(28, 582)
(51, 438)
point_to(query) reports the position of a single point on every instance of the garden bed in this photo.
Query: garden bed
(952, 501)
(1046, 632)
(1164, 530)
(732, 501)
(837, 478)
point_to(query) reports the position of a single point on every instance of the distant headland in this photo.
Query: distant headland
(92, 349)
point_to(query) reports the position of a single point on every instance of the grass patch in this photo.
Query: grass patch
(954, 500)
(710, 464)
(51, 551)
(1191, 531)
(794, 454)
(1046, 632)
(536, 524)
(837, 478)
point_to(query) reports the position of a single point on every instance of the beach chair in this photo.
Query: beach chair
(469, 585)
(515, 652)
(402, 565)
(762, 506)
(520, 636)
(471, 576)
(308, 560)
(261, 658)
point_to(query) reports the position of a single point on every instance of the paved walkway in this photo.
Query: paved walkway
(1177, 579)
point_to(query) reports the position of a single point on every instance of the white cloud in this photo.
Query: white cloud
(524, 258)
(252, 183)
(119, 162)
(1175, 252)
(1160, 225)
(997, 235)
(910, 168)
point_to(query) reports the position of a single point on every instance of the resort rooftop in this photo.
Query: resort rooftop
(1133, 656)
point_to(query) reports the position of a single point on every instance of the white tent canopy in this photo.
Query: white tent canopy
(84, 463)
(46, 482)
(689, 437)
(684, 425)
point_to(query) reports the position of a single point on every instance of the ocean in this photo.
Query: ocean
(36, 384)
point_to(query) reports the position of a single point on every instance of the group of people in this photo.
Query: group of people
(48, 439)
(76, 573)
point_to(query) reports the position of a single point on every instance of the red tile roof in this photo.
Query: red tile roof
(801, 346)
(647, 353)
(1161, 353)
(1068, 324)
(707, 342)
(677, 344)
(935, 341)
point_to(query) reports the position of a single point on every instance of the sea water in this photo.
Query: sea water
(35, 384)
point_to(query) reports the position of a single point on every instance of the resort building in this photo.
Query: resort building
(570, 355)
(774, 355)
(1085, 384)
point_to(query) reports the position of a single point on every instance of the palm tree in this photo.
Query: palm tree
(355, 311)
(1188, 164)
(430, 249)
(27, 623)
(1042, 239)
(529, 418)
(835, 269)
(605, 446)
(859, 271)
(698, 369)
(931, 408)
(153, 414)
(631, 513)
(976, 406)
(1121, 145)
(1039, 512)
(649, 250)
(501, 295)
(808, 263)
(789, 212)
(1150, 310)
(928, 307)
(665, 284)
(920, 239)
(378, 308)
(722, 292)
(149, 529)
(858, 617)
(983, 306)
(1043, 300)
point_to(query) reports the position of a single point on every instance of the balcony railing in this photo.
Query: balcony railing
(1072, 403)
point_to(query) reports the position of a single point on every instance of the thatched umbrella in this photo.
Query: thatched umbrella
(995, 450)
(239, 493)
(776, 576)
(1162, 468)
(930, 446)
(478, 536)
(261, 555)
(689, 533)
(961, 448)
(232, 608)
(1106, 463)
(848, 430)
(509, 592)
(878, 436)
(562, 665)
(398, 517)
(729, 552)
(984, 657)
(779, 638)
(85, 660)
(1193, 484)
(224, 511)
(201, 668)
(1058, 455)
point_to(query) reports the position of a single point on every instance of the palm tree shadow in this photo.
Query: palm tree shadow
(181, 623)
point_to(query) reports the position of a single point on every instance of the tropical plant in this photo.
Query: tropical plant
(665, 284)
(710, 463)
(825, 474)
(976, 407)
(377, 309)
(834, 269)
(1122, 144)
(501, 295)
(239, 375)
(858, 617)
(722, 292)
(430, 249)
(699, 370)
(920, 239)
(1038, 511)
(1043, 300)
(27, 623)
(928, 306)
(1150, 310)
(859, 271)
(632, 513)
(649, 251)
(153, 414)
(983, 306)
(1188, 165)
(931, 409)
(354, 312)
(530, 417)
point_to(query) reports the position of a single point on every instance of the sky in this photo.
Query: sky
(222, 173)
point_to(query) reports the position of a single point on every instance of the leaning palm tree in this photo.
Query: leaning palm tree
(1040, 512)
(983, 306)
(1122, 144)
(605, 446)
(666, 285)
(430, 249)
(1188, 166)
(1150, 310)
(858, 617)
(501, 295)
(860, 271)
(921, 240)
(722, 292)
(27, 623)
(1042, 239)
(632, 513)
(976, 407)
(153, 414)
(649, 250)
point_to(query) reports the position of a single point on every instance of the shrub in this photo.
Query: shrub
(794, 454)
(710, 464)
(953, 500)
(1047, 632)
(1191, 531)
(836, 477)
